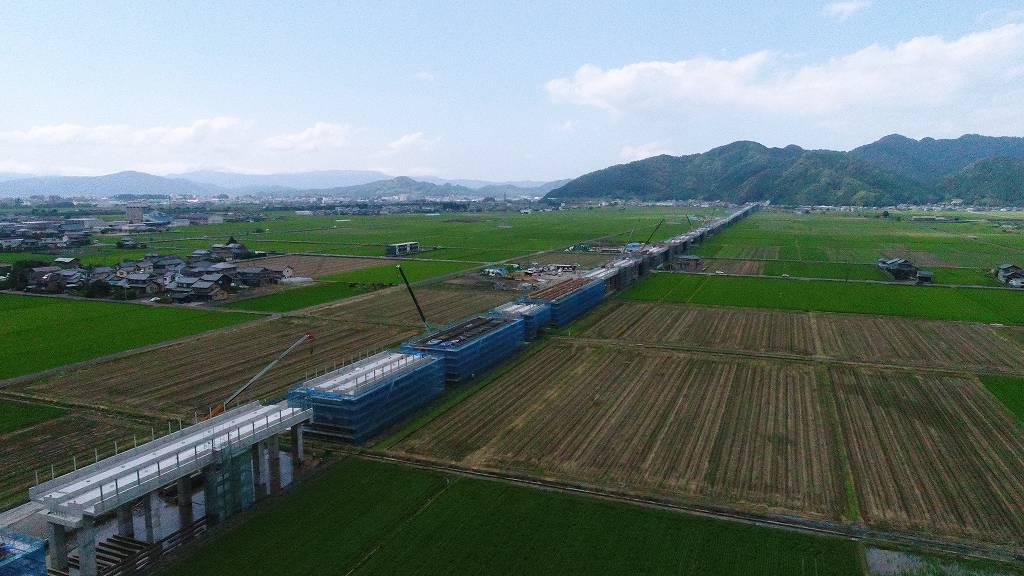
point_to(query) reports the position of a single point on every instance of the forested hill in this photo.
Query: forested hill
(978, 169)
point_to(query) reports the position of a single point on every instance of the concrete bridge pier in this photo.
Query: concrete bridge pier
(298, 449)
(151, 510)
(58, 546)
(87, 547)
(260, 468)
(125, 522)
(184, 489)
(274, 450)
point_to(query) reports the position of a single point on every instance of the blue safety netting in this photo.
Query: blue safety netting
(534, 318)
(357, 417)
(21, 555)
(469, 357)
(568, 307)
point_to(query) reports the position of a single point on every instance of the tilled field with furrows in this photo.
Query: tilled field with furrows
(932, 454)
(35, 448)
(697, 326)
(194, 375)
(881, 340)
(751, 434)
(924, 343)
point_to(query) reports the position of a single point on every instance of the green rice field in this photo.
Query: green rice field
(1009, 391)
(17, 415)
(472, 237)
(39, 333)
(345, 284)
(858, 238)
(377, 518)
(973, 304)
(298, 298)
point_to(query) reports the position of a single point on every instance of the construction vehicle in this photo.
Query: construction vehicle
(221, 408)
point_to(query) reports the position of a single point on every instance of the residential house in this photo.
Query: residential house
(37, 274)
(222, 280)
(168, 264)
(258, 276)
(1007, 272)
(205, 291)
(67, 262)
(226, 268)
(232, 251)
(898, 268)
(12, 244)
(143, 283)
(199, 256)
(99, 273)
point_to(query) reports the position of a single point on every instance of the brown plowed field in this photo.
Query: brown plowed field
(752, 434)
(697, 326)
(316, 266)
(34, 448)
(195, 374)
(394, 307)
(932, 454)
(925, 343)
(746, 267)
(584, 259)
(885, 340)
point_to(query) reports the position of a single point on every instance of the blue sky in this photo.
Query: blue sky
(534, 90)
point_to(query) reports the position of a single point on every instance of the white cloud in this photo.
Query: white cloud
(631, 153)
(124, 135)
(842, 11)
(317, 137)
(408, 142)
(424, 76)
(913, 77)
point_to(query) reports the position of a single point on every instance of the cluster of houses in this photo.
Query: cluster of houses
(1011, 275)
(205, 275)
(903, 269)
(35, 235)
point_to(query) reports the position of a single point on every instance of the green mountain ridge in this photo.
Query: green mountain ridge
(890, 171)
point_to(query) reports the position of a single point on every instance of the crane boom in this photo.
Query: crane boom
(305, 337)
(653, 231)
(408, 287)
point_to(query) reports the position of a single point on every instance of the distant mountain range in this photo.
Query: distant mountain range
(339, 183)
(896, 169)
(297, 181)
(108, 185)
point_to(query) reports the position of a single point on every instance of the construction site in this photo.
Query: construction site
(122, 513)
